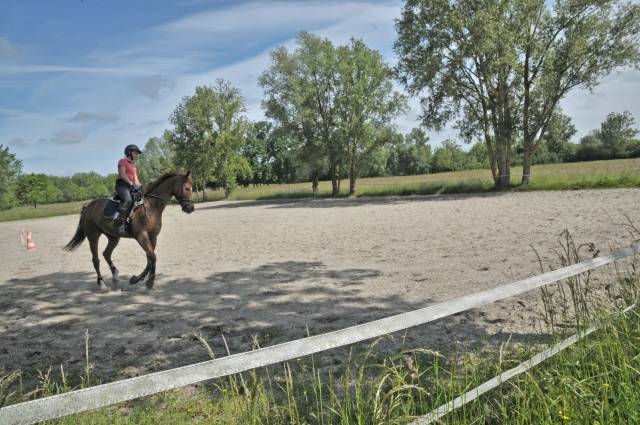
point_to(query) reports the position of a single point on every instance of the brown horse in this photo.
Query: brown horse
(146, 222)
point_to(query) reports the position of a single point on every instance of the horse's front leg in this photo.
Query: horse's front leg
(145, 242)
(152, 265)
(113, 242)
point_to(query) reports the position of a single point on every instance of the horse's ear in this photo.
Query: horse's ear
(188, 174)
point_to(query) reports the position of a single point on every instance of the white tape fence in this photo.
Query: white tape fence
(115, 392)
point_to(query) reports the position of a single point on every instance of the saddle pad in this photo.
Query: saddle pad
(110, 208)
(112, 204)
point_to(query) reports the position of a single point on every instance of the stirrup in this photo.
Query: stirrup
(122, 229)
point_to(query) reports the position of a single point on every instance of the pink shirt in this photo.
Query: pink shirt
(129, 169)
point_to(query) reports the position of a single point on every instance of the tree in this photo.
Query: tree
(37, 189)
(10, 168)
(67, 187)
(409, 155)
(365, 100)
(591, 147)
(442, 160)
(449, 157)
(209, 131)
(285, 164)
(556, 141)
(158, 158)
(501, 67)
(376, 163)
(459, 56)
(94, 185)
(418, 141)
(300, 90)
(575, 44)
(477, 156)
(617, 133)
(330, 102)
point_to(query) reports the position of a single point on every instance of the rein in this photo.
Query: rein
(182, 201)
(156, 196)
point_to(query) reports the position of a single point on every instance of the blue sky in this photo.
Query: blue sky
(79, 80)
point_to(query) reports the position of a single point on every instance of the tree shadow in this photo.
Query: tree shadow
(346, 202)
(134, 331)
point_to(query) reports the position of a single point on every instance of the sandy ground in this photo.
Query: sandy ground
(271, 269)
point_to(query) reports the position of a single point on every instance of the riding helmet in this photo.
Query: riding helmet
(131, 148)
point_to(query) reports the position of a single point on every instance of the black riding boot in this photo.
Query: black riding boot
(121, 221)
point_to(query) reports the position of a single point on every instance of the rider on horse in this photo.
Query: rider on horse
(126, 182)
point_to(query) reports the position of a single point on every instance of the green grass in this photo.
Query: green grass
(597, 381)
(572, 176)
(42, 211)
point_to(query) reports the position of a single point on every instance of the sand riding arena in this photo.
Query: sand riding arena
(268, 271)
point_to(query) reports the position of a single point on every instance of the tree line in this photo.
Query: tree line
(17, 188)
(269, 159)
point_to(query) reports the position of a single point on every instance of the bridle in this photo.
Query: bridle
(183, 203)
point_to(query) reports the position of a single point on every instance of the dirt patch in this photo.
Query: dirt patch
(268, 271)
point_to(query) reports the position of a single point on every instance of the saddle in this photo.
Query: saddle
(112, 204)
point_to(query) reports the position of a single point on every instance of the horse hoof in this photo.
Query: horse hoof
(134, 280)
(115, 275)
(149, 284)
(103, 286)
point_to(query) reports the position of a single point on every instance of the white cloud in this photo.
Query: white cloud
(67, 137)
(17, 141)
(152, 86)
(8, 52)
(37, 69)
(92, 117)
(264, 18)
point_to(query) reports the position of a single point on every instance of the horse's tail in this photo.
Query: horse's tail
(80, 234)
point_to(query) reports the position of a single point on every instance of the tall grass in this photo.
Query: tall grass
(570, 176)
(596, 381)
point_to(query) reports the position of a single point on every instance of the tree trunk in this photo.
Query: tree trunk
(314, 183)
(352, 179)
(492, 158)
(204, 193)
(352, 171)
(526, 164)
(504, 171)
(335, 185)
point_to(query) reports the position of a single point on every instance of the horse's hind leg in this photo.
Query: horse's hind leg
(94, 235)
(113, 242)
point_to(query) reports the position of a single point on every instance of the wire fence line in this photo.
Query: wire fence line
(115, 392)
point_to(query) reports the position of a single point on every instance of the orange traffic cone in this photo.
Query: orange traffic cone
(31, 246)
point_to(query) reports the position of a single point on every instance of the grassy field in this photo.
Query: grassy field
(571, 176)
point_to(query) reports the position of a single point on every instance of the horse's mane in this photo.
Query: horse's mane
(157, 182)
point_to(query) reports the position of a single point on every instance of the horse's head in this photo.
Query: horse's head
(183, 191)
